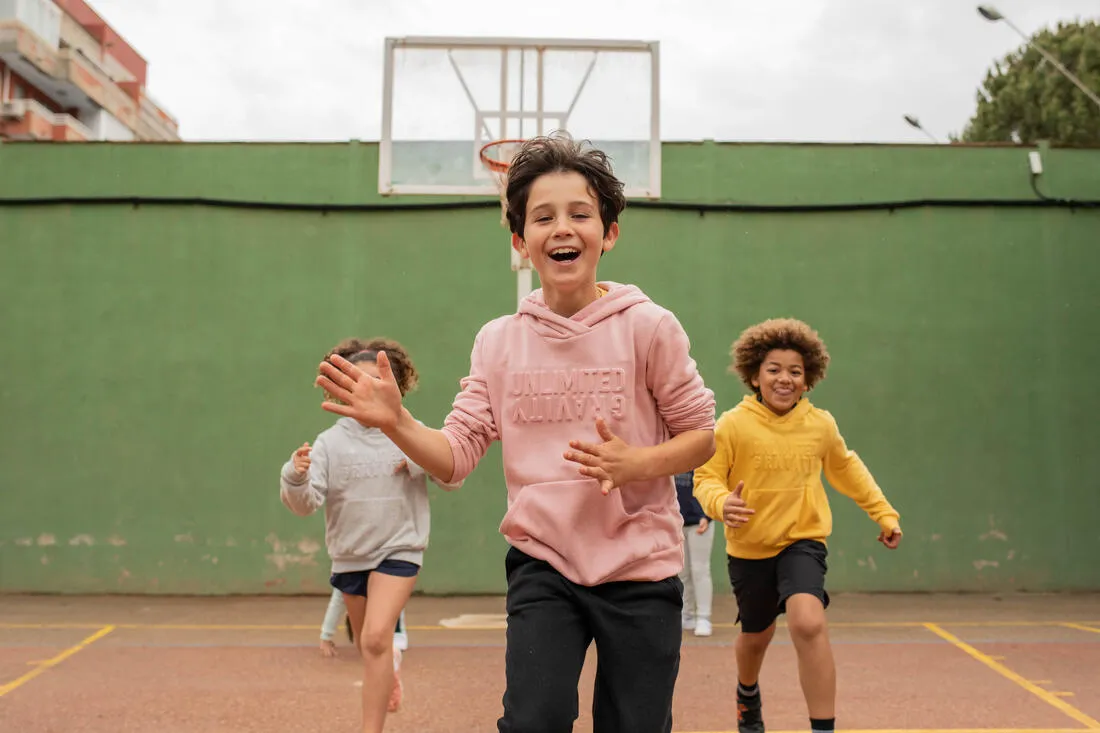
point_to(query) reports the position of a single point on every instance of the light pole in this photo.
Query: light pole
(914, 122)
(990, 13)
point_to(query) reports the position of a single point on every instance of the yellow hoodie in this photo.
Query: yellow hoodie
(780, 459)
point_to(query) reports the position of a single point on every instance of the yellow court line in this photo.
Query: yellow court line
(1004, 671)
(53, 662)
(1079, 627)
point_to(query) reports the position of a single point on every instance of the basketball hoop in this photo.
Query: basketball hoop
(490, 155)
(496, 165)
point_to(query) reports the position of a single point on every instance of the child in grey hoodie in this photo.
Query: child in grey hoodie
(376, 524)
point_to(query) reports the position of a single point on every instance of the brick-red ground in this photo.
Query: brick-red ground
(213, 665)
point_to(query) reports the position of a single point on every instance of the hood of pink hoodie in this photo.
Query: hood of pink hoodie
(550, 325)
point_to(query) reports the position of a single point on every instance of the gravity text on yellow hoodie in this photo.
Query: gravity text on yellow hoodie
(780, 459)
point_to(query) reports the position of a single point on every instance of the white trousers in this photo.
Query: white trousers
(698, 587)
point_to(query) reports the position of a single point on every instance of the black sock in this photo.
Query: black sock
(822, 725)
(751, 691)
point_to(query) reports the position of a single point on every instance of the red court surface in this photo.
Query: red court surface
(905, 664)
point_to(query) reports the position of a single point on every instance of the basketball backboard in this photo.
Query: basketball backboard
(446, 98)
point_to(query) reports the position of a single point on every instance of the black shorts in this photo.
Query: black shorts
(354, 583)
(762, 587)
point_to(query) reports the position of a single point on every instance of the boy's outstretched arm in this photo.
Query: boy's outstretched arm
(449, 454)
(375, 402)
(847, 473)
(684, 403)
(614, 462)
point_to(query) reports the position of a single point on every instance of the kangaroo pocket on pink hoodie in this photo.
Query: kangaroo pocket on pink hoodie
(600, 538)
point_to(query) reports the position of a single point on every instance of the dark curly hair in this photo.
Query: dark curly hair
(754, 343)
(358, 351)
(559, 153)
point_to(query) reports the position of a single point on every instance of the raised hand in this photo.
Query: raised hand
(734, 511)
(613, 462)
(375, 402)
(891, 540)
(300, 459)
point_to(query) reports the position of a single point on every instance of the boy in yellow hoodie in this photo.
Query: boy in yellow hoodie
(764, 483)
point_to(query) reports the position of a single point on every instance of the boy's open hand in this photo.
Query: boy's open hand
(300, 459)
(891, 540)
(612, 462)
(374, 402)
(734, 511)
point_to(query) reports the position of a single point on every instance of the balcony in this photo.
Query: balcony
(69, 129)
(75, 36)
(19, 46)
(68, 76)
(26, 119)
(93, 82)
(42, 17)
(154, 123)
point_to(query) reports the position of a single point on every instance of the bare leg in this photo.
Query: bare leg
(386, 596)
(749, 650)
(357, 606)
(816, 669)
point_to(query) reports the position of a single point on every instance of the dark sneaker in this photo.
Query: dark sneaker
(749, 717)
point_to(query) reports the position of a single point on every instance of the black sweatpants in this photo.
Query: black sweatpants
(551, 622)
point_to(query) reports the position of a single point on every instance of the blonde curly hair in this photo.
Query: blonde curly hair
(754, 343)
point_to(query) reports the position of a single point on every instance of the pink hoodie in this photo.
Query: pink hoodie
(538, 380)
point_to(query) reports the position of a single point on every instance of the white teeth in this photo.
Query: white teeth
(560, 250)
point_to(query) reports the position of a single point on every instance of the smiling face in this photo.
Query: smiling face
(781, 380)
(563, 236)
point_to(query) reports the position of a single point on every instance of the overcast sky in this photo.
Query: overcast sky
(804, 70)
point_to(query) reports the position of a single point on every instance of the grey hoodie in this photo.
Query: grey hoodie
(371, 513)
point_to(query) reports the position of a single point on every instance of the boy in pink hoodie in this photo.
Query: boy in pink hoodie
(597, 403)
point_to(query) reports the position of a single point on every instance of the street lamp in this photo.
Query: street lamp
(990, 13)
(914, 122)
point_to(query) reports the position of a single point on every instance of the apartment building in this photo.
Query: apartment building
(67, 75)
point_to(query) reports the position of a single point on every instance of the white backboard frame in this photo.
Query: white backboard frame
(386, 185)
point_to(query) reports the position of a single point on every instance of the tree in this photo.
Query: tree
(1025, 98)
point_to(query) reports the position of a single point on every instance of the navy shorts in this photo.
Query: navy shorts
(354, 583)
(762, 587)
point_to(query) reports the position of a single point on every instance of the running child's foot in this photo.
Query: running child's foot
(328, 648)
(398, 690)
(750, 718)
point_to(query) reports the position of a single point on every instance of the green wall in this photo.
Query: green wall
(156, 362)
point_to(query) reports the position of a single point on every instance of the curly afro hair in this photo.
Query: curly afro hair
(357, 351)
(754, 343)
